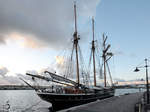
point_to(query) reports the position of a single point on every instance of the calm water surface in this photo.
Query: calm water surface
(28, 101)
(22, 101)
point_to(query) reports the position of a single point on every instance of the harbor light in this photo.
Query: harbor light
(136, 70)
(147, 84)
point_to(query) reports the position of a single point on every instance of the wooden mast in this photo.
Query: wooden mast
(104, 59)
(105, 54)
(93, 51)
(75, 35)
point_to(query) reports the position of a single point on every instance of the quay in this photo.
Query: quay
(144, 105)
(123, 103)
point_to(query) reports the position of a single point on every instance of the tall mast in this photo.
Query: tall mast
(105, 54)
(75, 35)
(104, 59)
(93, 51)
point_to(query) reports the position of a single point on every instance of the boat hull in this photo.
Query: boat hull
(64, 101)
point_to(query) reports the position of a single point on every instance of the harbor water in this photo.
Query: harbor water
(28, 101)
(22, 101)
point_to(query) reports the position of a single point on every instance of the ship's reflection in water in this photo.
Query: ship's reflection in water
(28, 101)
(22, 101)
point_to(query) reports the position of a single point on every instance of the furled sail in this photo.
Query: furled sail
(40, 77)
(48, 79)
(60, 78)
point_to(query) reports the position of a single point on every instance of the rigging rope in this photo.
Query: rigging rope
(84, 70)
(109, 73)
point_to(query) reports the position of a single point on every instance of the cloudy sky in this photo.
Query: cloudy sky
(34, 32)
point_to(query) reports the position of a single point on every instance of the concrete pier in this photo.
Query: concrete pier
(144, 106)
(124, 103)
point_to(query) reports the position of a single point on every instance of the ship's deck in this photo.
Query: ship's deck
(63, 93)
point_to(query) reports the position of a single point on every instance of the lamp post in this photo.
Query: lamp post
(147, 84)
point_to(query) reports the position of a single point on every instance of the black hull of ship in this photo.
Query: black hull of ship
(64, 101)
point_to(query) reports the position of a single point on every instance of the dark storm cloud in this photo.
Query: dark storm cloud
(49, 21)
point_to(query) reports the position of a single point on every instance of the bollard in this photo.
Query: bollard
(140, 108)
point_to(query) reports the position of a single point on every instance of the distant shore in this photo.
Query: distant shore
(19, 87)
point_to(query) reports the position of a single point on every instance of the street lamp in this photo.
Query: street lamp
(147, 85)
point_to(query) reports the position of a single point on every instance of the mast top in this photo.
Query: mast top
(75, 15)
(93, 27)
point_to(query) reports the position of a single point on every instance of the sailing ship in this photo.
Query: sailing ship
(74, 93)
